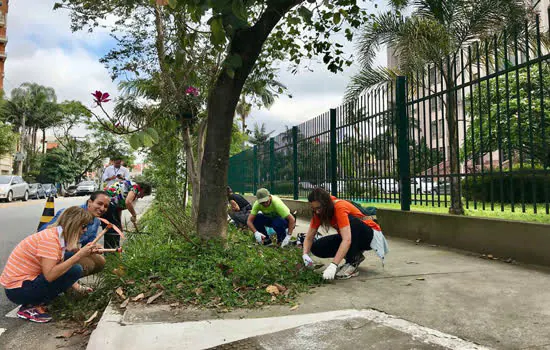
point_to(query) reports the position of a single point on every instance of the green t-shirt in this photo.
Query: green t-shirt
(275, 209)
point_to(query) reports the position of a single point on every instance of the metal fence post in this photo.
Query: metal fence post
(333, 155)
(295, 161)
(403, 143)
(255, 166)
(272, 165)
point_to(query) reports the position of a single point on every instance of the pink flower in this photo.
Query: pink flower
(192, 91)
(101, 97)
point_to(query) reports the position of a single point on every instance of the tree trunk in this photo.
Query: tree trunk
(43, 141)
(23, 144)
(456, 207)
(222, 101)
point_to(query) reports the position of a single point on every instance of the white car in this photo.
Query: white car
(387, 185)
(85, 187)
(13, 187)
(421, 186)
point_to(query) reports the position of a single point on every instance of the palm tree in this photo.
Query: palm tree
(433, 35)
(31, 106)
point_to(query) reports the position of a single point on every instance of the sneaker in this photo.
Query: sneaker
(34, 314)
(347, 271)
(357, 261)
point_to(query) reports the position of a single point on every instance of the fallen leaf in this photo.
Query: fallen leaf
(412, 262)
(490, 256)
(138, 297)
(88, 321)
(125, 303)
(295, 307)
(420, 279)
(174, 304)
(287, 292)
(418, 241)
(130, 282)
(65, 335)
(154, 278)
(120, 292)
(158, 286)
(259, 303)
(154, 297)
(119, 272)
(198, 291)
(273, 298)
(273, 290)
(280, 287)
(179, 285)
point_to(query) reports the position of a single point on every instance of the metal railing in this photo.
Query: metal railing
(471, 130)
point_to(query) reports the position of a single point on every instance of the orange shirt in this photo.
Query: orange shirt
(340, 218)
(24, 262)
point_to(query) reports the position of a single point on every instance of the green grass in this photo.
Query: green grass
(214, 273)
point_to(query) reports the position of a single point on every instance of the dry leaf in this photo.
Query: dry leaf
(65, 335)
(125, 303)
(88, 321)
(130, 282)
(198, 291)
(418, 240)
(295, 307)
(420, 279)
(490, 256)
(157, 285)
(287, 292)
(120, 292)
(179, 286)
(174, 304)
(154, 297)
(280, 287)
(272, 290)
(259, 303)
(273, 298)
(138, 297)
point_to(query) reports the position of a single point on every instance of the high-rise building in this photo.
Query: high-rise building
(3, 38)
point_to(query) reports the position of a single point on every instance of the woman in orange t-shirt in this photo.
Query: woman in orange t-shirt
(35, 272)
(355, 233)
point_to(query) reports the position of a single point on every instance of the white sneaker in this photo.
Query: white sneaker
(347, 271)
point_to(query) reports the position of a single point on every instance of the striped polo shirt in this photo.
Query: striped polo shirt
(24, 262)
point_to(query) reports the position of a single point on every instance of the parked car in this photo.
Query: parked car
(50, 190)
(13, 187)
(387, 185)
(85, 187)
(71, 191)
(442, 188)
(36, 191)
(421, 186)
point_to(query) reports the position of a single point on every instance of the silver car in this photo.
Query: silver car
(13, 187)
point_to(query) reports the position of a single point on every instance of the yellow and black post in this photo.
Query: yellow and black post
(48, 212)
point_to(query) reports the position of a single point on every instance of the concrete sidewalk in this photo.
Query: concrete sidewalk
(426, 297)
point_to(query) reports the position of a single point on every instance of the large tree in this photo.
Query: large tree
(250, 33)
(432, 36)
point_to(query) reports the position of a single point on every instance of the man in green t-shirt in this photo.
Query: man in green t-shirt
(275, 214)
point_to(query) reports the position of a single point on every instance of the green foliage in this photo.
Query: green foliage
(58, 167)
(519, 185)
(233, 273)
(8, 139)
(238, 139)
(507, 120)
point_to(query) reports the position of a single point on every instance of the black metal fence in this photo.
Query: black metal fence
(471, 130)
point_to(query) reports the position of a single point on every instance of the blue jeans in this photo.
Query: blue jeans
(279, 225)
(40, 291)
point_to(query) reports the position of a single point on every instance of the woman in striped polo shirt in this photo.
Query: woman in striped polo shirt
(35, 272)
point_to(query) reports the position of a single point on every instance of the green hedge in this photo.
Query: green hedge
(529, 185)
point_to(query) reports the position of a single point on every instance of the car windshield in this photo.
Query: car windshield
(33, 185)
(47, 186)
(86, 183)
(5, 180)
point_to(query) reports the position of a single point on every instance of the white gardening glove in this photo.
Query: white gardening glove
(259, 237)
(307, 260)
(330, 272)
(286, 241)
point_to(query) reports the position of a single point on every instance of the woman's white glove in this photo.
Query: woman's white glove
(330, 272)
(286, 241)
(307, 260)
(259, 237)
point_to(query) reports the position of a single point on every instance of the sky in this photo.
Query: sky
(42, 49)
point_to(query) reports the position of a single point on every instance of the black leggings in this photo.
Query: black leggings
(361, 237)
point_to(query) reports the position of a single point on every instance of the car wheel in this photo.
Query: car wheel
(26, 196)
(9, 198)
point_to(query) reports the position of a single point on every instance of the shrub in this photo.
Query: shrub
(530, 185)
